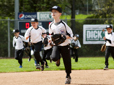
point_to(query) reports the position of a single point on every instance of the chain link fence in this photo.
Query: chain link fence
(6, 37)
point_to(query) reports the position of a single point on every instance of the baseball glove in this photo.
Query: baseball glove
(45, 41)
(103, 47)
(58, 38)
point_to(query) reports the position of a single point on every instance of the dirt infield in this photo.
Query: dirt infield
(79, 77)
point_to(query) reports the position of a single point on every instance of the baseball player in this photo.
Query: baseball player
(18, 44)
(74, 45)
(35, 35)
(60, 27)
(109, 39)
(47, 49)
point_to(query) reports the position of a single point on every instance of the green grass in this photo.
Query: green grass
(80, 16)
(11, 65)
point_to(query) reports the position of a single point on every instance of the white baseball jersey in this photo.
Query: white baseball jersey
(18, 42)
(35, 34)
(77, 43)
(110, 37)
(61, 28)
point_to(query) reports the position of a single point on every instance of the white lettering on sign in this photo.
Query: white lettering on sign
(30, 16)
(44, 16)
(94, 34)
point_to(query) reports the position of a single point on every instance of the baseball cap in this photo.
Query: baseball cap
(56, 8)
(109, 26)
(34, 20)
(77, 35)
(15, 30)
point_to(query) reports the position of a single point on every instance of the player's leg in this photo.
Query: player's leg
(55, 53)
(76, 55)
(65, 52)
(44, 58)
(49, 51)
(16, 54)
(20, 57)
(107, 54)
(37, 48)
(71, 51)
(112, 52)
(55, 56)
(49, 54)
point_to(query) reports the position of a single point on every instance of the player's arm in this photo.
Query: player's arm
(50, 33)
(23, 38)
(50, 30)
(27, 34)
(69, 32)
(14, 43)
(43, 30)
(79, 45)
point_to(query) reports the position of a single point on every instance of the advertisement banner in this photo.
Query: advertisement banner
(44, 16)
(27, 15)
(93, 34)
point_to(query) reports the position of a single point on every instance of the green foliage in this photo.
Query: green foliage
(11, 65)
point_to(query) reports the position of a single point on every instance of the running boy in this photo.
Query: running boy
(74, 46)
(34, 33)
(18, 44)
(109, 39)
(47, 48)
(60, 27)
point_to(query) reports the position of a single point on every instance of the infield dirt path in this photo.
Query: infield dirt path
(79, 77)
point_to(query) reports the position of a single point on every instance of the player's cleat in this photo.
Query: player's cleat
(47, 67)
(50, 61)
(106, 68)
(38, 66)
(58, 62)
(42, 67)
(68, 80)
(20, 66)
(29, 59)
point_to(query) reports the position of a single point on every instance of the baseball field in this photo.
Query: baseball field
(88, 71)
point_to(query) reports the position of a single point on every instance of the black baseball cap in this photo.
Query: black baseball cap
(15, 30)
(109, 26)
(56, 8)
(34, 20)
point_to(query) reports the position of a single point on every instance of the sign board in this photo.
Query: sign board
(93, 34)
(44, 16)
(27, 15)
(24, 25)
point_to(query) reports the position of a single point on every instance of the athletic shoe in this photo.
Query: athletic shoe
(20, 66)
(47, 67)
(38, 66)
(58, 62)
(106, 67)
(68, 80)
(42, 67)
(50, 61)
(29, 59)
